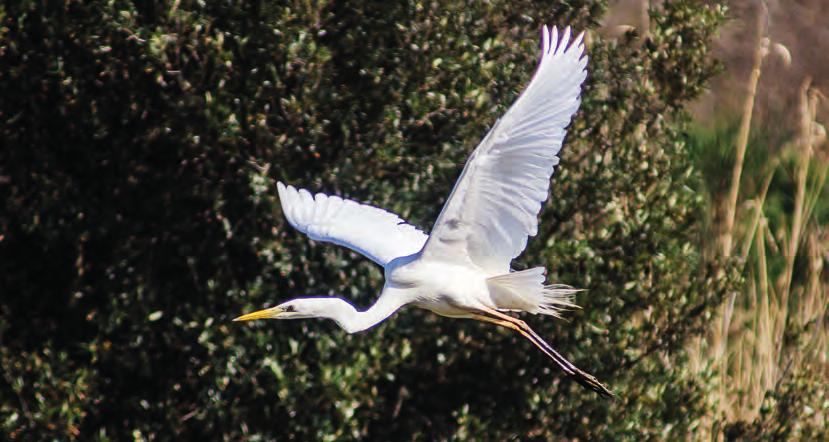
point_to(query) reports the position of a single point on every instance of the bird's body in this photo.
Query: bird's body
(462, 269)
(459, 289)
(438, 286)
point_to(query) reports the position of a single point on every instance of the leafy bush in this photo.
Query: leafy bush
(141, 146)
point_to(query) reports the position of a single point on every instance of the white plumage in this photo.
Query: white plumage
(494, 205)
(374, 233)
(462, 269)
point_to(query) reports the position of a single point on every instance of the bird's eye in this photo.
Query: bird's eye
(289, 309)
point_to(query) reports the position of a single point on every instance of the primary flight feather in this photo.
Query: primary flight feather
(462, 269)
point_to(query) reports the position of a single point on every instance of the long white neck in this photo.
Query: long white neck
(352, 320)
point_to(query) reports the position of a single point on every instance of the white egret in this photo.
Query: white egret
(462, 269)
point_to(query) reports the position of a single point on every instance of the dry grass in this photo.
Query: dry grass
(749, 350)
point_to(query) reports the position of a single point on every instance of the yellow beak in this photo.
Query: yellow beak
(267, 313)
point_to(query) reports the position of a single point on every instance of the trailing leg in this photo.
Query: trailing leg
(585, 379)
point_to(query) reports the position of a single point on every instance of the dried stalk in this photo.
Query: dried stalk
(760, 51)
(759, 204)
(808, 106)
(644, 18)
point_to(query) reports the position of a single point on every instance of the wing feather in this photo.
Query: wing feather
(494, 206)
(375, 233)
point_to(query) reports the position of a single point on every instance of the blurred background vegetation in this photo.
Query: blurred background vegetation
(140, 146)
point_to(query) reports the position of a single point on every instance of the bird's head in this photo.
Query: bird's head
(300, 309)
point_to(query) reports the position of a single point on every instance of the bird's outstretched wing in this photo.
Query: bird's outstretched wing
(495, 203)
(376, 234)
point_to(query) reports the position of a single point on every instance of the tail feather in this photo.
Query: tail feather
(557, 298)
(525, 291)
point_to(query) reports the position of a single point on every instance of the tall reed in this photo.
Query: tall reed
(749, 350)
(761, 49)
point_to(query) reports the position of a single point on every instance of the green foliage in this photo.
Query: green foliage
(712, 151)
(141, 146)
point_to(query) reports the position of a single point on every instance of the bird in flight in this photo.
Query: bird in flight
(462, 269)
